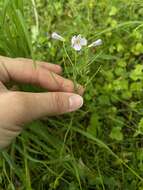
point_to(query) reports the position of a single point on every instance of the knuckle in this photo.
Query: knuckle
(69, 86)
(66, 85)
(61, 83)
(36, 77)
(60, 103)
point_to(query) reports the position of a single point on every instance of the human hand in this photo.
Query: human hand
(18, 108)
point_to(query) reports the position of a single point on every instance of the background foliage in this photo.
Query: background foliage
(101, 145)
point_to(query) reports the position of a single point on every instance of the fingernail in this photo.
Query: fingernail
(75, 102)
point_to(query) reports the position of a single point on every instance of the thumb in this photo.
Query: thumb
(36, 105)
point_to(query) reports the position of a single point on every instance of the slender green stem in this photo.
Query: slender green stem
(72, 64)
(36, 15)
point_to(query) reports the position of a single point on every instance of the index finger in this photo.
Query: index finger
(24, 71)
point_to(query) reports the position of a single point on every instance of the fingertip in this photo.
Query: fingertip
(75, 102)
(69, 86)
(80, 89)
(59, 69)
(52, 67)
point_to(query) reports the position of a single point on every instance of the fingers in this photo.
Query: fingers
(51, 67)
(20, 66)
(29, 106)
(54, 82)
(24, 71)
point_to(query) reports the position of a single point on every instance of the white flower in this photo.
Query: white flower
(77, 42)
(96, 43)
(57, 37)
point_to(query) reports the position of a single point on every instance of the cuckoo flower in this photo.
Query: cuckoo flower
(96, 43)
(78, 41)
(57, 37)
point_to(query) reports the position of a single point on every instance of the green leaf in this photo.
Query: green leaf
(113, 11)
(137, 73)
(94, 125)
(139, 131)
(116, 134)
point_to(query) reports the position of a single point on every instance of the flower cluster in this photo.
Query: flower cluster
(77, 42)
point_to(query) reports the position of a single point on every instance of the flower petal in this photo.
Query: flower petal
(77, 47)
(96, 43)
(73, 40)
(57, 36)
(83, 41)
(79, 36)
(77, 42)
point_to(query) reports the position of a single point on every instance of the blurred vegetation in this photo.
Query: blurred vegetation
(101, 145)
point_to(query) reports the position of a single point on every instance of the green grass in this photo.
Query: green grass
(100, 146)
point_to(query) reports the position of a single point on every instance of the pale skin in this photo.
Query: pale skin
(18, 108)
